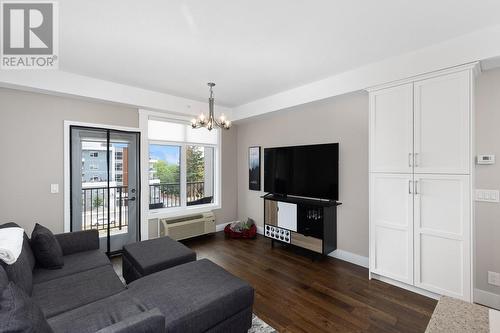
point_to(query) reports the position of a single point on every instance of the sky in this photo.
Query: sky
(169, 154)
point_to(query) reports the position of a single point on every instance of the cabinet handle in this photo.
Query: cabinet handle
(416, 159)
(416, 187)
(409, 186)
(409, 160)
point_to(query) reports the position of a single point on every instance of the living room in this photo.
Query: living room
(217, 167)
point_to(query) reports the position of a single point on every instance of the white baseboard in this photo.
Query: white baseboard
(350, 257)
(220, 227)
(487, 298)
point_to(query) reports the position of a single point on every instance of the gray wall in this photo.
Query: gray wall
(31, 144)
(342, 119)
(487, 221)
(229, 209)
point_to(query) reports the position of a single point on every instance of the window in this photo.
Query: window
(119, 166)
(94, 154)
(94, 167)
(182, 165)
(119, 178)
(119, 155)
(164, 176)
(199, 175)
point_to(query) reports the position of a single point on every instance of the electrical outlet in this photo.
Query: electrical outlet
(488, 195)
(494, 278)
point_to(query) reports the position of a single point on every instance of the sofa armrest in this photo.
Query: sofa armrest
(152, 321)
(78, 241)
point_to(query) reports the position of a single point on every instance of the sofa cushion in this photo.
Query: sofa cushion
(72, 291)
(78, 241)
(20, 273)
(97, 315)
(18, 312)
(195, 296)
(26, 244)
(152, 321)
(73, 263)
(48, 252)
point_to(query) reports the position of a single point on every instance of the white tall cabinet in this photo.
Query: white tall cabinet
(421, 166)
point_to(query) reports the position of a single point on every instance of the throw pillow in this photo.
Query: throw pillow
(18, 312)
(47, 250)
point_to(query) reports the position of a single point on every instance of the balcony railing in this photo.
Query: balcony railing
(163, 195)
(166, 195)
(95, 208)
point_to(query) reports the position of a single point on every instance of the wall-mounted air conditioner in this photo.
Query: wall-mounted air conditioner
(182, 227)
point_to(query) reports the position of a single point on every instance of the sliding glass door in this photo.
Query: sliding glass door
(105, 188)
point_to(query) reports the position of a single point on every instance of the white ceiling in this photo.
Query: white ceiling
(251, 49)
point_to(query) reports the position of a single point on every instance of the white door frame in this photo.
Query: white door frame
(67, 157)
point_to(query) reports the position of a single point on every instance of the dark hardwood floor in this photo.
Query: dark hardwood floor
(295, 294)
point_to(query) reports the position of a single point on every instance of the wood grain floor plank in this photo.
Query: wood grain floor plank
(293, 293)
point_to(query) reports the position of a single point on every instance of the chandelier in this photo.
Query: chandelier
(210, 122)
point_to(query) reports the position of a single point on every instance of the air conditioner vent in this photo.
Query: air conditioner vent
(184, 218)
(187, 226)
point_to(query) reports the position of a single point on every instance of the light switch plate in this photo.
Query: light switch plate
(488, 195)
(54, 188)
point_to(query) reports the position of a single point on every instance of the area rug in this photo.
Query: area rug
(260, 326)
(453, 315)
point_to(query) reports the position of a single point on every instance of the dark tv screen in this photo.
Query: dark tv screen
(307, 171)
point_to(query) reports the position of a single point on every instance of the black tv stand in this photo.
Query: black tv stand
(303, 222)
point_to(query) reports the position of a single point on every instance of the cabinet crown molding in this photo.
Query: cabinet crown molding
(474, 67)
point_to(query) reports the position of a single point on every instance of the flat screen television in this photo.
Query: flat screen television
(306, 171)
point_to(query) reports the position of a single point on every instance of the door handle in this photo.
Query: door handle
(131, 199)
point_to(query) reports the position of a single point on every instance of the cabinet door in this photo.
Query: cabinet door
(271, 212)
(391, 129)
(287, 215)
(442, 234)
(391, 226)
(442, 121)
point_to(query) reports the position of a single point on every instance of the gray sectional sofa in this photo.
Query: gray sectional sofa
(86, 295)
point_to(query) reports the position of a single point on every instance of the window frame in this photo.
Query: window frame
(183, 209)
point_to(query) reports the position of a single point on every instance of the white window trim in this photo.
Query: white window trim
(144, 116)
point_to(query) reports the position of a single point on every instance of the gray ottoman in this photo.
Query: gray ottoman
(148, 257)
